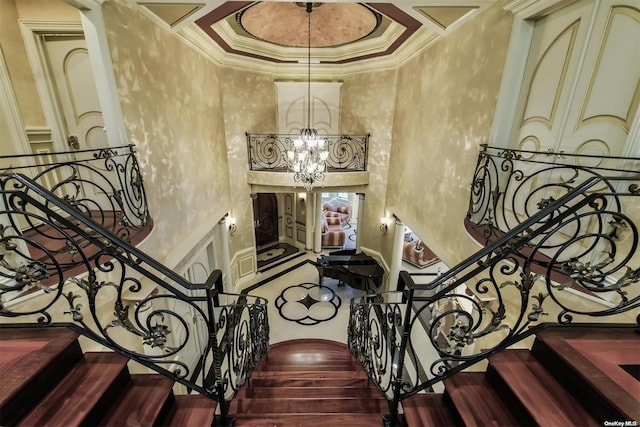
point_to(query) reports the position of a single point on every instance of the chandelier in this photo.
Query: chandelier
(307, 154)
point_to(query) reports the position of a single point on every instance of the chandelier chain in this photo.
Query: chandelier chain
(307, 155)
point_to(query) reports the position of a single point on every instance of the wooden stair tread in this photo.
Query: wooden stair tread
(129, 409)
(342, 367)
(587, 361)
(308, 382)
(309, 374)
(548, 403)
(427, 410)
(476, 403)
(308, 420)
(44, 356)
(191, 410)
(308, 406)
(82, 396)
(310, 392)
(33, 351)
(604, 332)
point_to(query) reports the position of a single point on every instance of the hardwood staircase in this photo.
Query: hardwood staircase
(308, 383)
(46, 380)
(571, 377)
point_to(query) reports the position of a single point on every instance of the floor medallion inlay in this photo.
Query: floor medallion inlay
(308, 303)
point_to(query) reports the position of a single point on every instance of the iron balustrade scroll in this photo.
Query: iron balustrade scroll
(523, 280)
(509, 186)
(268, 152)
(122, 299)
(374, 331)
(104, 184)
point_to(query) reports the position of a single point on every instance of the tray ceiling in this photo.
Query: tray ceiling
(342, 32)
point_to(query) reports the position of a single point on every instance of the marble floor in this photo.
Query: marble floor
(299, 308)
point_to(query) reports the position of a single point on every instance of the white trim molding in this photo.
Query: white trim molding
(10, 109)
(530, 9)
(95, 35)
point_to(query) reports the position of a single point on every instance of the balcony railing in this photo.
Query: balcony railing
(105, 184)
(511, 185)
(268, 152)
(540, 245)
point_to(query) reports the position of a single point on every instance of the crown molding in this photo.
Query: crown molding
(529, 9)
(195, 38)
(294, 54)
(85, 4)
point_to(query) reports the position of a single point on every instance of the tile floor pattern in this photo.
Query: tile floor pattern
(332, 327)
(308, 303)
(334, 317)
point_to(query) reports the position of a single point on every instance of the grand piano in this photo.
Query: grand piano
(358, 270)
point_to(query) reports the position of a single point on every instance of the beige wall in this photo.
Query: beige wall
(249, 104)
(444, 108)
(171, 101)
(367, 105)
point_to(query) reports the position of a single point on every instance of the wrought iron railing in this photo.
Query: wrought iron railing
(584, 239)
(268, 152)
(121, 298)
(104, 184)
(511, 185)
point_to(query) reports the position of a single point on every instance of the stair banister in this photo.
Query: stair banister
(221, 367)
(551, 217)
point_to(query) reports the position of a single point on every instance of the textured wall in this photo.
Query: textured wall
(249, 101)
(171, 102)
(367, 105)
(444, 109)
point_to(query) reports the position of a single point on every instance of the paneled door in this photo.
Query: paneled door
(581, 86)
(76, 96)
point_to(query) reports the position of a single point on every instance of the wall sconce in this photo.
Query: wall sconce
(302, 198)
(231, 223)
(383, 225)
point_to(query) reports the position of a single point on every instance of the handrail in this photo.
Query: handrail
(520, 232)
(122, 298)
(97, 232)
(507, 299)
(65, 153)
(561, 154)
(509, 184)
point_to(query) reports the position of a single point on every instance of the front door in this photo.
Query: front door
(265, 218)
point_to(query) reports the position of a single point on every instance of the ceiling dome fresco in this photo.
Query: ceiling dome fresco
(332, 24)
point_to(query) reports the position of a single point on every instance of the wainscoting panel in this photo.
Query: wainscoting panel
(243, 264)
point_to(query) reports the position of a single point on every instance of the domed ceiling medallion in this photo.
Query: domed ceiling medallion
(285, 24)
